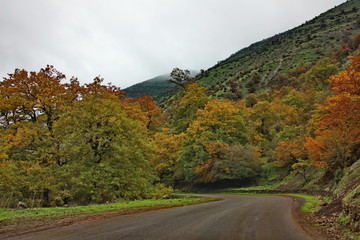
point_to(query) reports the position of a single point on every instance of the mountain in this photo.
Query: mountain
(153, 87)
(257, 66)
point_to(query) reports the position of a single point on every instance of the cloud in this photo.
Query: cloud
(129, 41)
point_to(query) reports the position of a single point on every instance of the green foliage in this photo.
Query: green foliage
(101, 139)
(339, 174)
(217, 126)
(317, 77)
(240, 162)
(289, 132)
(271, 174)
(180, 77)
(344, 219)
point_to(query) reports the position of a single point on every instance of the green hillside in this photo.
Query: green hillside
(151, 87)
(256, 66)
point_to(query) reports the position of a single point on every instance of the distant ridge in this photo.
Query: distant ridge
(153, 87)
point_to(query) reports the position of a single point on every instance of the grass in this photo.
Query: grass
(14, 214)
(312, 203)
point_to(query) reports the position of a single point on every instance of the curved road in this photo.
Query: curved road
(236, 217)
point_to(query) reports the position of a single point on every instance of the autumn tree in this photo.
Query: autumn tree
(294, 75)
(336, 139)
(185, 107)
(180, 77)
(287, 152)
(251, 100)
(30, 105)
(318, 76)
(280, 81)
(153, 114)
(355, 42)
(220, 119)
(29, 96)
(216, 127)
(261, 119)
(105, 151)
(300, 167)
(239, 163)
(29, 164)
(64, 142)
(168, 147)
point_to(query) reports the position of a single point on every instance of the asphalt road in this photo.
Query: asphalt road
(236, 217)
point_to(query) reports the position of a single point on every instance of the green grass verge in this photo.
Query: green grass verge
(312, 203)
(14, 214)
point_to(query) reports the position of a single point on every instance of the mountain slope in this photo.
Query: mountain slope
(256, 67)
(260, 63)
(151, 87)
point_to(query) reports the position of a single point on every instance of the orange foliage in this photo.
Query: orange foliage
(287, 152)
(338, 121)
(153, 116)
(203, 171)
(167, 149)
(26, 96)
(216, 149)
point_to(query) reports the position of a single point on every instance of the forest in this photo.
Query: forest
(62, 142)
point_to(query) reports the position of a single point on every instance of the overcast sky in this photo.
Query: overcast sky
(129, 41)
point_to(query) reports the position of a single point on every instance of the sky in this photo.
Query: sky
(129, 41)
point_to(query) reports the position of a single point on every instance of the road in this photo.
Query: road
(236, 217)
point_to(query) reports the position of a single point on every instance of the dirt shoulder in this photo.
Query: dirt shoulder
(304, 220)
(316, 226)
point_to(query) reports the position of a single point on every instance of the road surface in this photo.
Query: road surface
(236, 217)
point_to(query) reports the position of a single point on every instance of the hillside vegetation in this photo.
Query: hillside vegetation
(256, 67)
(151, 87)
